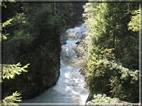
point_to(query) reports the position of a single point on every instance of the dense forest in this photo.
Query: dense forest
(113, 62)
(31, 48)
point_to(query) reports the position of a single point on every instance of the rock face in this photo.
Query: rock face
(43, 54)
(63, 38)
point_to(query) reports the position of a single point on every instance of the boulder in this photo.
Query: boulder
(67, 52)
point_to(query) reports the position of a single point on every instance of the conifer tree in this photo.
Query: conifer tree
(113, 58)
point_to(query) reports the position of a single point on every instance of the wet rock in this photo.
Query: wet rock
(63, 38)
(67, 52)
(90, 97)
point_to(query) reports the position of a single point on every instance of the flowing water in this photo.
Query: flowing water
(70, 86)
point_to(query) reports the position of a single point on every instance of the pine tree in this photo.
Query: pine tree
(113, 46)
(9, 72)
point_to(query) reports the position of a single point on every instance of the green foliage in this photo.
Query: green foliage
(135, 23)
(99, 98)
(35, 39)
(10, 100)
(10, 70)
(113, 79)
(3, 2)
(103, 100)
(8, 0)
(113, 59)
(109, 29)
(8, 22)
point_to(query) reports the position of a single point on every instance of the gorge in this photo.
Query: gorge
(70, 86)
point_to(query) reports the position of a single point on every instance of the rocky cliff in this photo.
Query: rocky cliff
(43, 54)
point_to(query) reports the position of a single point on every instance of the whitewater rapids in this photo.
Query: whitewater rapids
(70, 86)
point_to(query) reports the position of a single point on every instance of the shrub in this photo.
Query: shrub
(107, 76)
(103, 100)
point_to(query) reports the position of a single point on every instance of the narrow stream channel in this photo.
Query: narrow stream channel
(70, 86)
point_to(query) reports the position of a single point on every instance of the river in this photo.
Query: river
(69, 89)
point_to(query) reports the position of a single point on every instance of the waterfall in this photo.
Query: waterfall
(70, 86)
